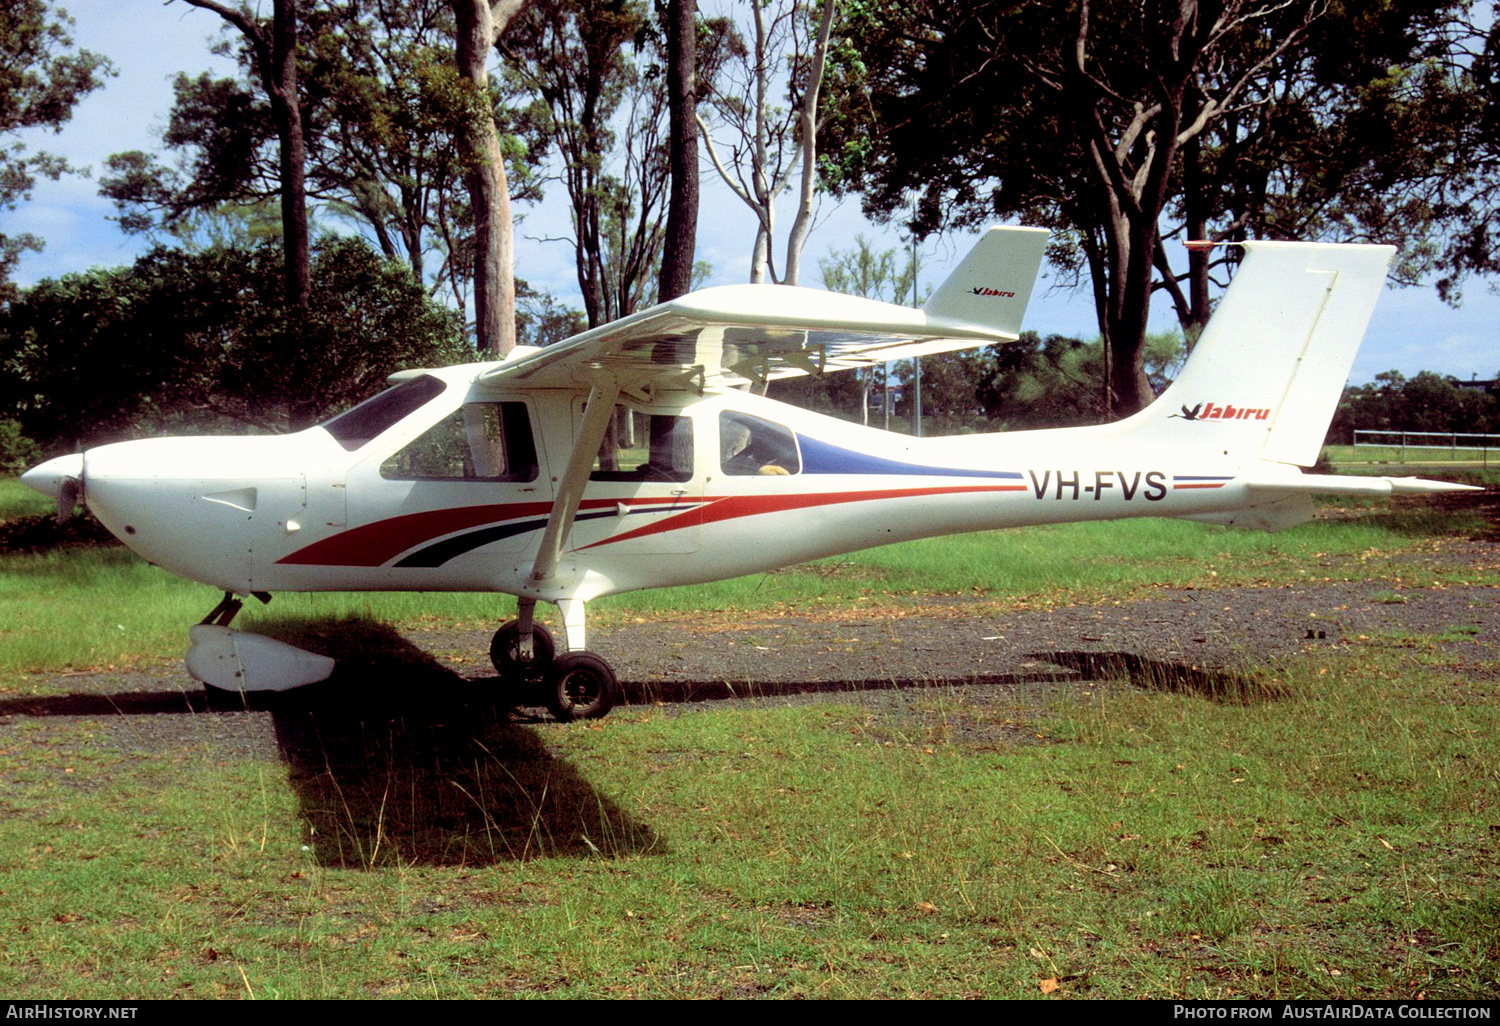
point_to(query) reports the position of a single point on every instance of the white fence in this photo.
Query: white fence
(1425, 447)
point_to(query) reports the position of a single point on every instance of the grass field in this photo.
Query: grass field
(1336, 841)
(1472, 465)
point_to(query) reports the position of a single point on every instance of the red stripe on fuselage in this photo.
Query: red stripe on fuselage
(377, 543)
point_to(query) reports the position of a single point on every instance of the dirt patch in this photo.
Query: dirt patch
(41, 532)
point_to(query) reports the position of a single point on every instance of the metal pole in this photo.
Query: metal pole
(918, 362)
(914, 266)
(918, 396)
(885, 393)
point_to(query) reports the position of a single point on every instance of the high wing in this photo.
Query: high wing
(727, 336)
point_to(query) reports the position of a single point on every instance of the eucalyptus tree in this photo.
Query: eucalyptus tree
(1122, 125)
(763, 144)
(272, 51)
(478, 26)
(386, 110)
(591, 72)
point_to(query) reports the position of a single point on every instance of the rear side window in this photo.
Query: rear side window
(479, 442)
(353, 428)
(750, 446)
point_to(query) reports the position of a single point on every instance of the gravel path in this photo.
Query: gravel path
(1179, 638)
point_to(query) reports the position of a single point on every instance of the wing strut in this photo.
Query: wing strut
(604, 391)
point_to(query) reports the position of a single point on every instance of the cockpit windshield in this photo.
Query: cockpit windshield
(353, 428)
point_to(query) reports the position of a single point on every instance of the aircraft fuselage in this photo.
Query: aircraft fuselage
(312, 512)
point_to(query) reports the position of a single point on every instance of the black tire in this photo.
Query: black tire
(580, 686)
(504, 654)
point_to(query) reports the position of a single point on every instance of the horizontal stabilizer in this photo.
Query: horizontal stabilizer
(1273, 513)
(1330, 484)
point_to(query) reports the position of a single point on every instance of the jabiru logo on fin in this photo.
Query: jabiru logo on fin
(1208, 411)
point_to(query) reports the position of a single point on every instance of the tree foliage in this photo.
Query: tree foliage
(185, 339)
(384, 106)
(1474, 247)
(888, 276)
(1122, 124)
(42, 78)
(1427, 402)
(591, 70)
(541, 320)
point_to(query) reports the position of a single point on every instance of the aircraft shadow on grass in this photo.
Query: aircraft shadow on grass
(397, 758)
(397, 754)
(1071, 668)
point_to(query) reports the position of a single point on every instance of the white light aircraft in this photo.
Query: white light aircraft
(520, 476)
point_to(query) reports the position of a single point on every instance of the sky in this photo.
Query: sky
(149, 42)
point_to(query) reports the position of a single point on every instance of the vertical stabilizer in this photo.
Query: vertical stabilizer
(992, 284)
(1266, 375)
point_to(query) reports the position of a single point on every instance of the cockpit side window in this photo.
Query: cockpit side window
(479, 442)
(750, 446)
(645, 447)
(353, 428)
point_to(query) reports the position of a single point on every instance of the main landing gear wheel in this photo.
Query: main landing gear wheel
(580, 686)
(505, 653)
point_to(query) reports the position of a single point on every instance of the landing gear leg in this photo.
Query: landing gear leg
(573, 614)
(223, 613)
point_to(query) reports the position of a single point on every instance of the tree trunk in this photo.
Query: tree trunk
(479, 24)
(808, 121)
(1130, 309)
(276, 63)
(288, 114)
(682, 101)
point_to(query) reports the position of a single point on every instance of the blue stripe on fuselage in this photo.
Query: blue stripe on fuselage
(820, 457)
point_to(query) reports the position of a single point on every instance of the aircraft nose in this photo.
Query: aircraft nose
(49, 478)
